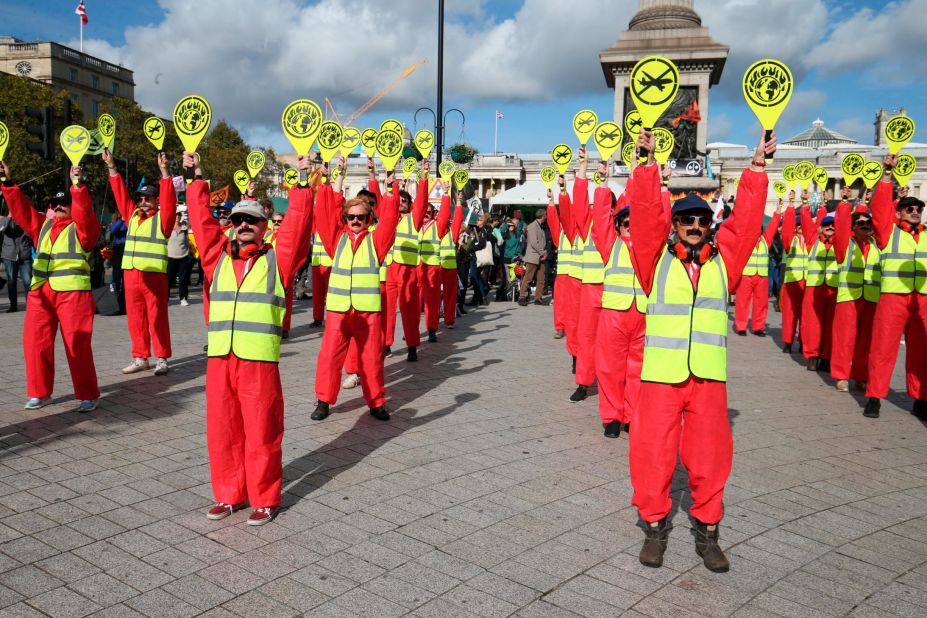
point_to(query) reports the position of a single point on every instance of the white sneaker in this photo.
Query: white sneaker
(34, 403)
(161, 367)
(350, 381)
(843, 386)
(184, 303)
(137, 364)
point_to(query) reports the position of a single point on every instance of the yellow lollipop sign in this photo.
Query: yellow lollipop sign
(255, 162)
(780, 188)
(788, 174)
(664, 144)
(424, 142)
(330, 137)
(898, 132)
(627, 154)
(461, 178)
(820, 178)
(446, 170)
(768, 87)
(633, 123)
(106, 124)
(4, 139)
(389, 147)
(653, 85)
(391, 124)
(301, 121)
(409, 165)
(548, 175)
(607, 139)
(350, 138)
(369, 140)
(872, 172)
(290, 177)
(154, 131)
(562, 156)
(242, 180)
(584, 125)
(75, 141)
(905, 167)
(804, 170)
(852, 167)
(192, 117)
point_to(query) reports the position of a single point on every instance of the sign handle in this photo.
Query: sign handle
(643, 151)
(303, 178)
(766, 138)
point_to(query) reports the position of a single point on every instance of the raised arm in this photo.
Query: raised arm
(210, 238)
(385, 233)
(326, 216)
(882, 207)
(582, 215)
(420, 201)
(567, 224)
(648, 237)
(457, 223)
(20, 207)
(444, 214)
(124, 203)
(85, 218)
(788, 227)
(603, 226)
(843, 229)
(809, 225)
(553, 220)
(769, 234)
(372, 185)
(295, 233)
(167, 197)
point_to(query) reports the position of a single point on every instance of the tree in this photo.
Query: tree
(462, 153)
(223, 152)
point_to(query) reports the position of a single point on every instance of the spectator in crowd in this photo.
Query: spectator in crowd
(117, 231)
(535, 258)
(179, 261)
(16, 251)
(511, 251)
(478, 274)
(465, 243)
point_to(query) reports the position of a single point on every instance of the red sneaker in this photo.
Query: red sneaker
(221, 510)
(263, 515)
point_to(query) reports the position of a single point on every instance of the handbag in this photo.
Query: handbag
(484, 256)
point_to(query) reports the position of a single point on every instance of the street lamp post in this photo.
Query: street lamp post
(439, 137)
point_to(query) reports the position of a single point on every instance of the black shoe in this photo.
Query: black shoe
(321, 411)
(579, 394)
(742, 333)
(285, 334)
(706, 546)
(542, 303)
(12, 309)
(824, 366)
(786, 348)
(919, 409)
(387, 351)
(612, 429)
(627, 428)
(655, 537)
(432, 337)
(523, 302)
(573, 371)
(315, 323)
(206, 348)
(381, 413)
(759, 333)
(813, 363)
(412, 355)
(872, 408)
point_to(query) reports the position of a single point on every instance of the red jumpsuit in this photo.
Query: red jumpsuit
(146, 292)
(47, 310)
(817, 307)
(449, 275)
(754, 289)
(244, 398)
(688, 419)
(566, 287)
(363, 327)
(431, 276)
(792, 292)
(852, 331)
(896, 314)
(590, 294)
(402, 281)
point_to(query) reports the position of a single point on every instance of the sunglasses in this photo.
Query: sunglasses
(352, 217)
(145, 198)
(702, 220)
(625, 223)
(912, 209)
(277, 221)
(863, 222)
(239, 219)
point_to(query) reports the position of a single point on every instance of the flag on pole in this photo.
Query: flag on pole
(498, 113)
(80, 10)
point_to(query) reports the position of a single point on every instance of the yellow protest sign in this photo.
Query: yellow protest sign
(369, 140)
(598, 179)
(461, 178)
(424, 142)
(409, 165)
(192, 117)
(4, 139)
(804, 170)
(780, 188)
(905, 167)
(653, 85)
(446, 170)
(255, 162)
(154, 131)
(633, 123)
(898, 132)
(336, 172)
(330, 136)
(788, 174)
(389, 147)
(627, 154)
(350, 138)
(562, 156)
(391, 124)
(242, 180)
(872, 172)
(75, 140)
(301, 121)
(767, 87)
(607, 139)
(290, 177)
(852, 167)
(820, 177)
(736, 183)
(584, 125)
(664, 145)
(548, 175)
(106, 124)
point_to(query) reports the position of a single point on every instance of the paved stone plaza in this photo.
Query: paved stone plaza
(487, 494)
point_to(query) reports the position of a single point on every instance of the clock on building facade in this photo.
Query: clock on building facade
(23, 68)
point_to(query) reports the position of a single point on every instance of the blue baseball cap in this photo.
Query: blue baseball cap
(690, 203)
(828, 220)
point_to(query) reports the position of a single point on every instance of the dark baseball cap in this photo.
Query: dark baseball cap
(147, 189)
(61, 197)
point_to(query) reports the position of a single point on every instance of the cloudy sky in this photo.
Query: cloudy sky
(534, 60)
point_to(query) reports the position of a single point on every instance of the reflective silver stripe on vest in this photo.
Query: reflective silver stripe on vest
(246, 327)
(60, 273)
(354, 290)
(360, 270)
(709, 338)
(717, 304)
(667, 343)
(617, 289)
(269, 297)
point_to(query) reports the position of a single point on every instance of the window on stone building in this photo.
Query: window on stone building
(95, 107)
(72, 74)
(94, 81)
(115, 88)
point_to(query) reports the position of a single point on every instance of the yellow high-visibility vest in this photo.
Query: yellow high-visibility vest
(62, 263)
(355, 277)
(859, 276)
(429, 248)
(320, 257)
(566, 258)
(621, 287)
(686, 329)
(904, 264)
(822, 266)
(759, 260)
(796, 261)
(406, 245)
(448, 252)
(591, 261)
(146, 245)
(247, 320)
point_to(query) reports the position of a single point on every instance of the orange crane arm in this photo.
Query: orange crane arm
(389, 88)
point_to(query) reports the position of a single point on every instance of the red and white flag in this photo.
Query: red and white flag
(499, 115)
(80, 10)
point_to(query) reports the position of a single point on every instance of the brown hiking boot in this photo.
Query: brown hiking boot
(654, 544)
(706, 546)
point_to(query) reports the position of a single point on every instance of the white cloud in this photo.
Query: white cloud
(859, 129)
(719, 127)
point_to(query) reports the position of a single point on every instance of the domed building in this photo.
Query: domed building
(818, 136)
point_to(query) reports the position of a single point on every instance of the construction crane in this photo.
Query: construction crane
(329, 107)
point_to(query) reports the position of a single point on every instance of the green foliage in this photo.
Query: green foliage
(462, 153)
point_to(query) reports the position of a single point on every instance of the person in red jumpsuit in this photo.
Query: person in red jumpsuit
(145, 277)
(688, 419)
(852, 334)
(754, 287)
(902, 308)
(244, 397)
(793, 282)
(449, 256)
(339, 228)
(567, 282)
(820, 297)
(590, 295)
(430, 275)
(58, 297)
